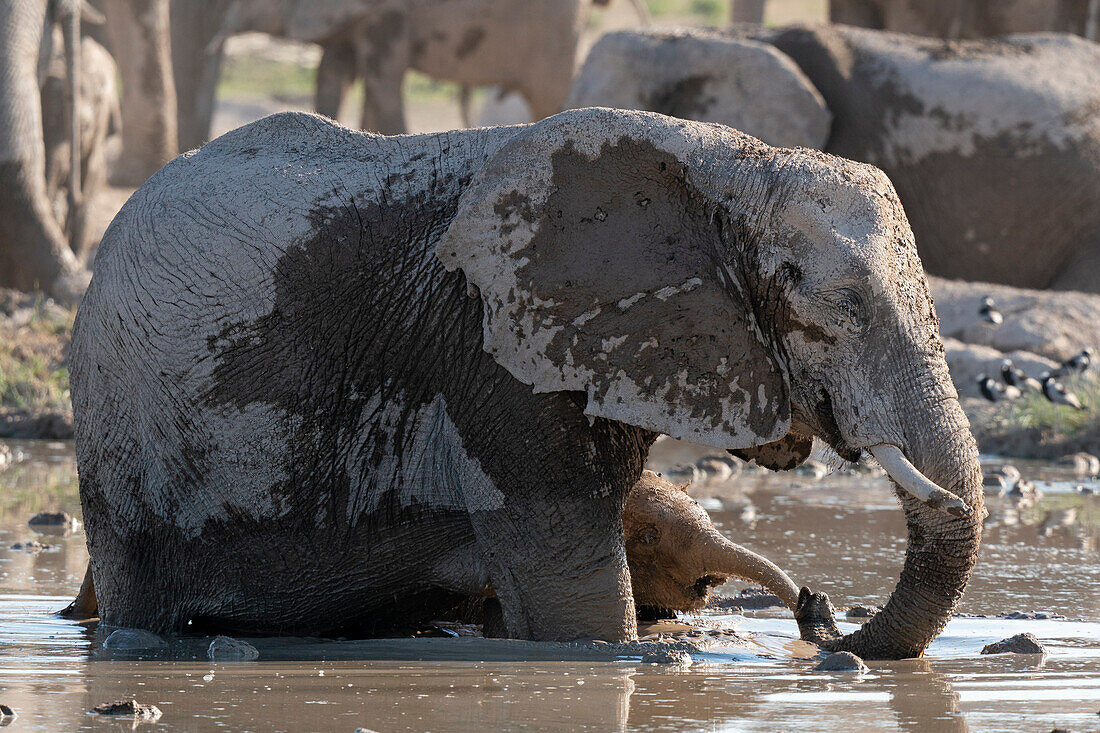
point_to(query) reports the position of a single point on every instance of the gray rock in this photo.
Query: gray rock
(842, 662)
(1086, 490)
(672, 657)
(683, 473)
(719, 467)
(7, 715)
(133, 640)
(1025, 491)
(1084, 465)
(54, 523)
(1020, 644)
(228, 649)
(861, 611)
(813, 469)
(994, 485)
(32, 547)
(129, 708)
(1008, 472)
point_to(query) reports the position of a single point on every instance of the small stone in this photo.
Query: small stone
(861, 611)
(718, 467)
(1086, 490)
(1083, 464)
(228, 649)
(842, 662)
(813, 469)
(1025, 491)
(671, 657)
(55, 523)
(32, 547)
(710, 503)
(1025, 643)
(683, 473)
(7, 714)
(133, 640)
(130, 708)
(994, 485)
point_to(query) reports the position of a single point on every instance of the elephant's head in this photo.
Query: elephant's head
(695, 282)
(676, 555)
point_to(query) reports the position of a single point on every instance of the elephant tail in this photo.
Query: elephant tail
(84, 606)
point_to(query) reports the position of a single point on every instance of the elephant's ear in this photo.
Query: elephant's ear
(788, 452)
(591, 239)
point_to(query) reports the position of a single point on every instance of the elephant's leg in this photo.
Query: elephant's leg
(139, 40)
(383, 110)
(196, 65)
(335, 75)
(747, 11)
(550, 527)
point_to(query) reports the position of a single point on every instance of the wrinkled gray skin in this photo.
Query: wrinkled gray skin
(528, 47)
(323, 380)
(951, 18)
(98, 114)
(993, 146)
(968, 18)
(137, 34)
(690, 74)
(35, 250)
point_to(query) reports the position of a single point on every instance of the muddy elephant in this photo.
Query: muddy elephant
(323, 378)
(993, 146)
(969, 18)
(952, 18)
(527, 47)
(691, 74)
(35, 250)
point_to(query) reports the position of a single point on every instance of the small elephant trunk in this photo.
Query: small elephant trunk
(728, 558)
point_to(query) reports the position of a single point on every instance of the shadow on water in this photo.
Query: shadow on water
(842, 534)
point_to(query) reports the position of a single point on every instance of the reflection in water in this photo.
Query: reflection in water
(843, 535)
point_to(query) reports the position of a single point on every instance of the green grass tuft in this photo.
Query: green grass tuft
(1033, 410)
(33, 372)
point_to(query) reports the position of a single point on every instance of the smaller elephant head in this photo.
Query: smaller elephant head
(676, 555)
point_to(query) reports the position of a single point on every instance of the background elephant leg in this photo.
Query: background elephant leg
(747, 11)
(862, 13)
(383, 109)
(335, 75)
(139, 40)
(196, 65)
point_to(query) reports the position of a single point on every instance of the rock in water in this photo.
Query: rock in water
(7, 715)
(862, 611)
(1025, 643)
(55, 523)
(672, 657)
(228, 649)
(133, 640)
(130, 708)
(842, 662)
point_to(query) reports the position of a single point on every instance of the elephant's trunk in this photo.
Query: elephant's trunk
(941, 549)
(722, 557)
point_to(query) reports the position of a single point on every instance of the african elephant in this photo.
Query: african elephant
(35, 251)
(676, 555)
(969, 18)
(528, 47)
(993, 146)
(322, 378)
(138, 38)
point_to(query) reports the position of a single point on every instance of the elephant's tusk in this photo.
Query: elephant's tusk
(906, 475)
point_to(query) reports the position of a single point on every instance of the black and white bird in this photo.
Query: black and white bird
(1014, 376)
(1079, 363)
(994, 391)
(1056, 393)
(989, 312)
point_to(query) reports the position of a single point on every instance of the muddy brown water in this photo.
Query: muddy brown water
(843, 534)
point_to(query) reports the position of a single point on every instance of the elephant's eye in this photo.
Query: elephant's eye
(848, 306)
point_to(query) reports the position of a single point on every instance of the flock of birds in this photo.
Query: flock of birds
(1016, 380)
